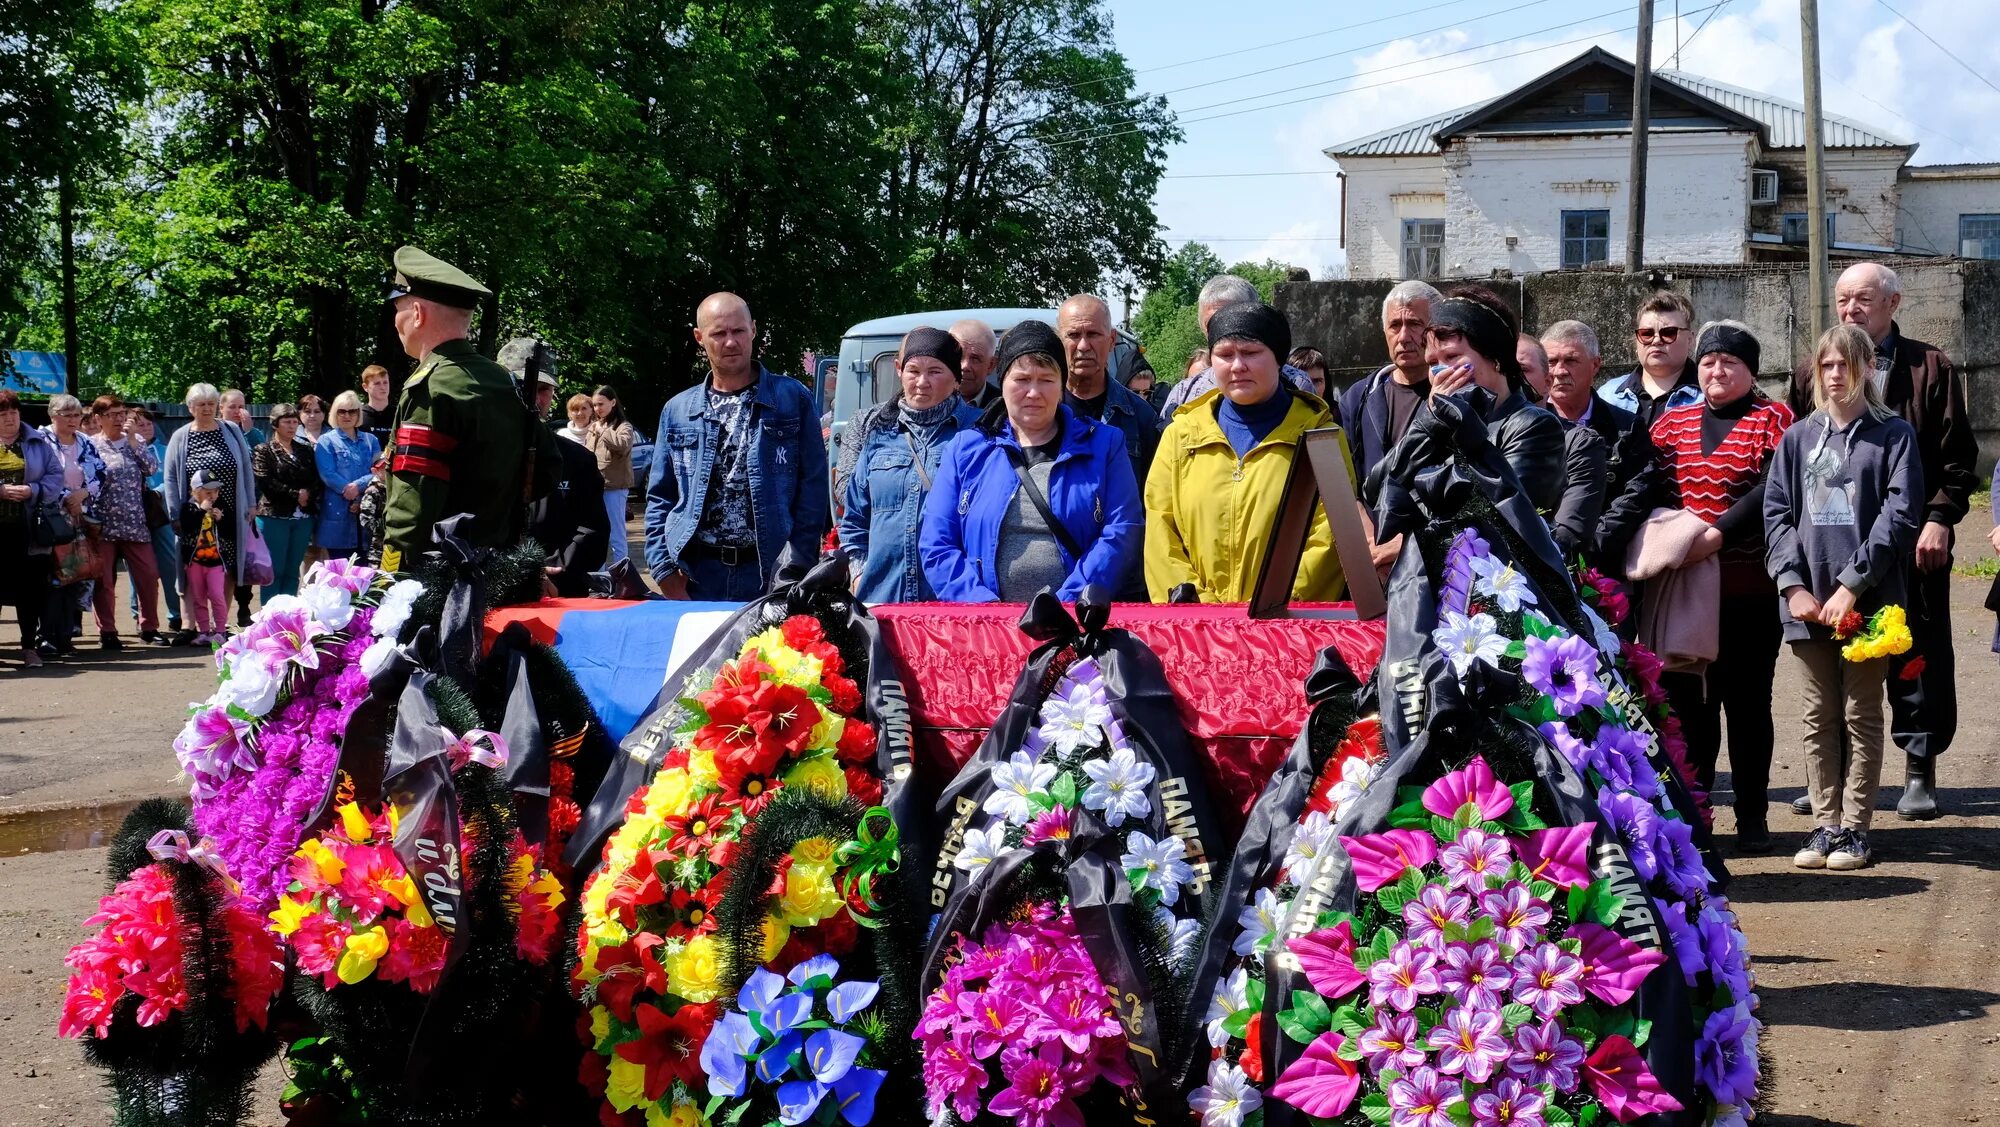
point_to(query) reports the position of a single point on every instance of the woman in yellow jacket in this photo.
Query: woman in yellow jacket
(1213, 494)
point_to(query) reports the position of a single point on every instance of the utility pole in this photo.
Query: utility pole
(1815, 168)
(1642, 124)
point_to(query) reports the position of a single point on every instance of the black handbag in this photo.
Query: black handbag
(50, 526)
(156, 509)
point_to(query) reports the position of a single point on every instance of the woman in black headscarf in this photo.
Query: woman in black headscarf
(1471, 350)
(899, 451)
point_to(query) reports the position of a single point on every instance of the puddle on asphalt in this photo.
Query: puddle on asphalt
(52, 831)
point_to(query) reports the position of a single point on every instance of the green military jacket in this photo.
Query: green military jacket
(464, 443)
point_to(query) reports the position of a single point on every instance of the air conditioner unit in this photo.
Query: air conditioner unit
(1763, 186)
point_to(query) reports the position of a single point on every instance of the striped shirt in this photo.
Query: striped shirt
(1708, 483)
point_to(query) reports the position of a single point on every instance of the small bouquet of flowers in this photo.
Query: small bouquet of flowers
(799, 1044)
(172, 996)
(1022, 1027)
(262, 750)
(352, 911)
(1886, 633)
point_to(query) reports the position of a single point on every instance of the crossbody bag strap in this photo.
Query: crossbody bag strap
(917, 460)
(1041, 503)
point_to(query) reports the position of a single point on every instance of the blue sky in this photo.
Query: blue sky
(1354, 67)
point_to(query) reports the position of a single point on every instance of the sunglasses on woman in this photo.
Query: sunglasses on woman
(1666, 334)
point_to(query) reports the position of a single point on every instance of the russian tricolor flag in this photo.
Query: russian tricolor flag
(620, 652)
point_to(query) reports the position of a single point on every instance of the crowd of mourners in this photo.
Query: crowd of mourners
(1733, 523)
(222, 513)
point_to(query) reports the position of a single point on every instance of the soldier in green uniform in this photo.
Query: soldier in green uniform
(464, 441)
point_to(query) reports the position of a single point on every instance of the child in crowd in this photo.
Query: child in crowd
(201, 553)
(374, 502)
(1840, 517)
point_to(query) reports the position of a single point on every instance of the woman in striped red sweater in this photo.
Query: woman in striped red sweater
(1717, 455)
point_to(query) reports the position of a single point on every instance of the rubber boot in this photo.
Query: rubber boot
(1919, 802)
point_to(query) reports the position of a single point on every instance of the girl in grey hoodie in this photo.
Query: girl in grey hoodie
(1840, 517)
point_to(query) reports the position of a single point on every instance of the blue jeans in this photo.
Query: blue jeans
(167, 555)
(287, 537)
(711, 580)
(614, 508)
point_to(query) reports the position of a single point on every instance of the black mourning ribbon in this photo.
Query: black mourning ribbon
(527, 771)
(465, 601)
(1048, 620)
(419, 785)
(364, 743)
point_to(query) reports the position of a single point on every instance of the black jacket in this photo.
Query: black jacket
(1635, 486)
(1586, 479)
(1531, 439)
(281, 473)
(571, 523)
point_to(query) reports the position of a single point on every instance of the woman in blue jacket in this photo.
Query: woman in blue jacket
(345, 455)
(883, 502)
(985, 536)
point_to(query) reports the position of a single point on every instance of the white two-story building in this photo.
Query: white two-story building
(1537, 180)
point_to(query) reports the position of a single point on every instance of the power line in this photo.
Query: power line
(1115, 129)
(1915, 125)
(1940, 46)
(1286, 42)
(1713, 12)
(1349, 50)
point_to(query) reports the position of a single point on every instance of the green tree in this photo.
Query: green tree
(1026, 169)
(600, 166)
(1168, 320)
(65, 69)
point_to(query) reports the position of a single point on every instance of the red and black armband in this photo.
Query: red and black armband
(423, 451)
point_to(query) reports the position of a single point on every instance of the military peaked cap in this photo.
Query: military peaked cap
(433, 279)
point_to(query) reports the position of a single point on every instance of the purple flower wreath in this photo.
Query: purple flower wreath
(261, 751)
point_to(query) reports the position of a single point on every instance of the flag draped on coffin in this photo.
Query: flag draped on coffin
(620, 652)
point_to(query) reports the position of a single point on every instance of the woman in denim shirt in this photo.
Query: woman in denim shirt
(344, 453)
(898, 460)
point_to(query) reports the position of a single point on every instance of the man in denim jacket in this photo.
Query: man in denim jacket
(739, 470)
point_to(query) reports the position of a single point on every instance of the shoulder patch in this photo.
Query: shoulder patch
(423, 370)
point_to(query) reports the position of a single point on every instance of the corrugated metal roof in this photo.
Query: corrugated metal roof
(1784, 122)
(1409, 140)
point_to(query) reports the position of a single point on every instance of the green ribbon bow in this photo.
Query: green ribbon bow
(866, 859)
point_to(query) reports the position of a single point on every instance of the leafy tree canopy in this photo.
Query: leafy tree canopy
(1168, 320)
(600, 166)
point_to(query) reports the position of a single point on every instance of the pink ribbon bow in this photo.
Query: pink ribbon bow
(173, 845)
(488, 749)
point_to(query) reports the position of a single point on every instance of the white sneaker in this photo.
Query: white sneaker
(1823, 841)
(1851, 853)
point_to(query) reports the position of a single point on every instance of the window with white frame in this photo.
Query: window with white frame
(1423, 248)
(1586, 238)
